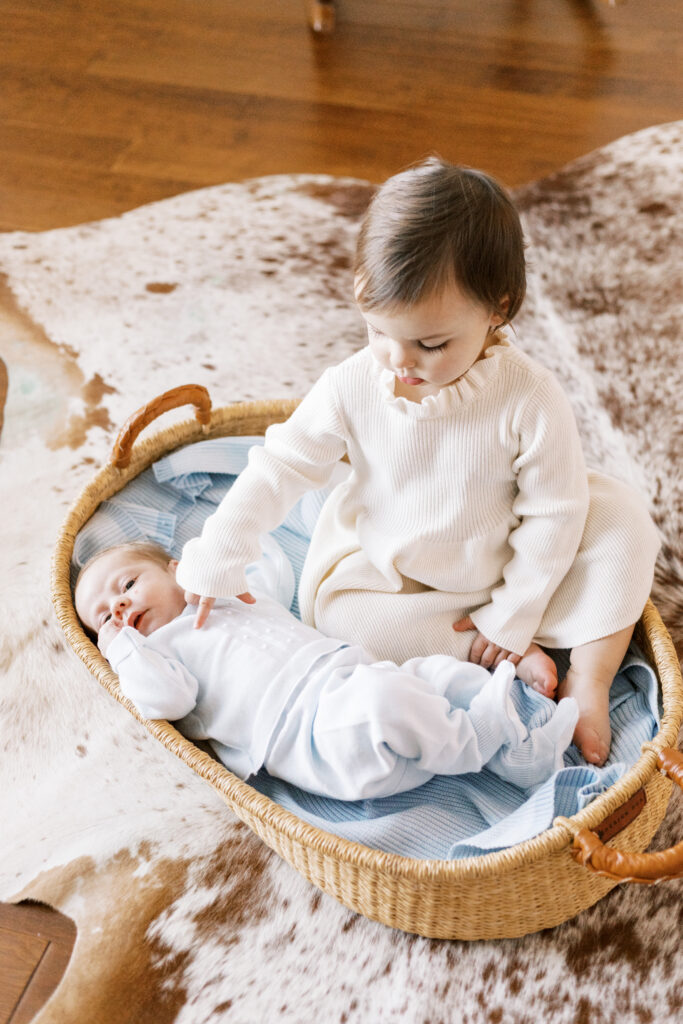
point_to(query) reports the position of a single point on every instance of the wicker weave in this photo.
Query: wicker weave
(534, 885)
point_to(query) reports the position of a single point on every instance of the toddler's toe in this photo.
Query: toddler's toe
(592, 746)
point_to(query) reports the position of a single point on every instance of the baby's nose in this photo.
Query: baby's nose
(119, 604)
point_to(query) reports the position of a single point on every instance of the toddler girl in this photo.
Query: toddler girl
(468, 524)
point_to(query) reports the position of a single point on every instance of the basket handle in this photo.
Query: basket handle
(186, 394)
(634, 867)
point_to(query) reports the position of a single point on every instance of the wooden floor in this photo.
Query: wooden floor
(35, 947)
(107, 105)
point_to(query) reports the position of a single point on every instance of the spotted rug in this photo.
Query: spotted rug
(182, 914)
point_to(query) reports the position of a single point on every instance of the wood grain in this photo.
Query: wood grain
(35, 947)
(105, 106)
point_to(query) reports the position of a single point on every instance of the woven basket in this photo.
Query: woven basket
(536, 884)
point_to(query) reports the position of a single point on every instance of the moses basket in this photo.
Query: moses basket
(534, 885)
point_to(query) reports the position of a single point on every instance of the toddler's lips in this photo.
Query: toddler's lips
(411, 380)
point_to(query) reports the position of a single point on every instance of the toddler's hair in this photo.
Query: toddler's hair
(434, 225)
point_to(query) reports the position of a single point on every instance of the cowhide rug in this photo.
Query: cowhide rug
(182, 914)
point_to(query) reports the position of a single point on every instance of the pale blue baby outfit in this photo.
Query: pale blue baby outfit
(268, 691)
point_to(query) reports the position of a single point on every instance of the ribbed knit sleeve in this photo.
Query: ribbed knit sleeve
(297, 456)
(551, 505)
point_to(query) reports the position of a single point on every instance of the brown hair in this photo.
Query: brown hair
(437, 224)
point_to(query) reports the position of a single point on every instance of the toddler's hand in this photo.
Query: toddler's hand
(205, 604)
(483, 651)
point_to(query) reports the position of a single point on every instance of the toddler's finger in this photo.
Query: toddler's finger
(247, 597)
(205, 606)
(463, 624)
(488, 657)
(191, 598)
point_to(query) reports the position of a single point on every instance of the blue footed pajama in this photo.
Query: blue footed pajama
(268, 691)
(359, 730)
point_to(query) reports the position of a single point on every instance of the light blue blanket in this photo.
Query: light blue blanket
(449, 817)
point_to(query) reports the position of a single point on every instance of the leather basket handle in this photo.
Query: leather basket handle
(646, 868)
(186, 394)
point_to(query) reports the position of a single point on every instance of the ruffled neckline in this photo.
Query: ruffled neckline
(462, 391)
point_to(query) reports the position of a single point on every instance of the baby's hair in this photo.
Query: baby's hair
(435, 225)
(141, 548)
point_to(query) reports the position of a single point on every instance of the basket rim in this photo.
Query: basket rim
(243, 799)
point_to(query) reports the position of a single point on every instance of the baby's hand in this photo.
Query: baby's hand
(205, 604)
(108, 631)
(483, 651)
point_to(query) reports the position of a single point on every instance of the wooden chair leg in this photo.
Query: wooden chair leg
(321, 15)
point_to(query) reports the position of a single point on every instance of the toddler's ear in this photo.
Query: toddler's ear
(503, 307)
(172, 566)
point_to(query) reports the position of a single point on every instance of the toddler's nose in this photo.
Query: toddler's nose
(401, 357)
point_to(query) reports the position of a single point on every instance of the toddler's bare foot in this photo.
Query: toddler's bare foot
(593, 733)
(538, 671)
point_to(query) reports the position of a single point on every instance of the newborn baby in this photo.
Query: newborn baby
(267, 691)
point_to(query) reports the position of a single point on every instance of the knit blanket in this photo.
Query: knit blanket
(182, 914)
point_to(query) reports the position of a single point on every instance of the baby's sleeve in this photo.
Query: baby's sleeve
(158, 685)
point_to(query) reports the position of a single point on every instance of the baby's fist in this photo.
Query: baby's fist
(108, 631)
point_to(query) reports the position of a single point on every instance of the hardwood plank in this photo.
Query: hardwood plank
(107, 106)
(346, 68)
(35, 947)
(45, 144)
(20, 954)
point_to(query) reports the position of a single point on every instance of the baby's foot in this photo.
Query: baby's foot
(540, 755)
(538, 671)
(593, 733)
(494, 716)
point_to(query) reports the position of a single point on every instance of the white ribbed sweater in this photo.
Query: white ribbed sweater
(480, 491)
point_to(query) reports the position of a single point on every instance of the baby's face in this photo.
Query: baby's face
(124, 589)
(430, 344)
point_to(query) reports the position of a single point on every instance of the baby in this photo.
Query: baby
(469, 524)
(267, 690)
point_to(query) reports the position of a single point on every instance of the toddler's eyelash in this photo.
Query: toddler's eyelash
(425, 348)
(432, 348)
